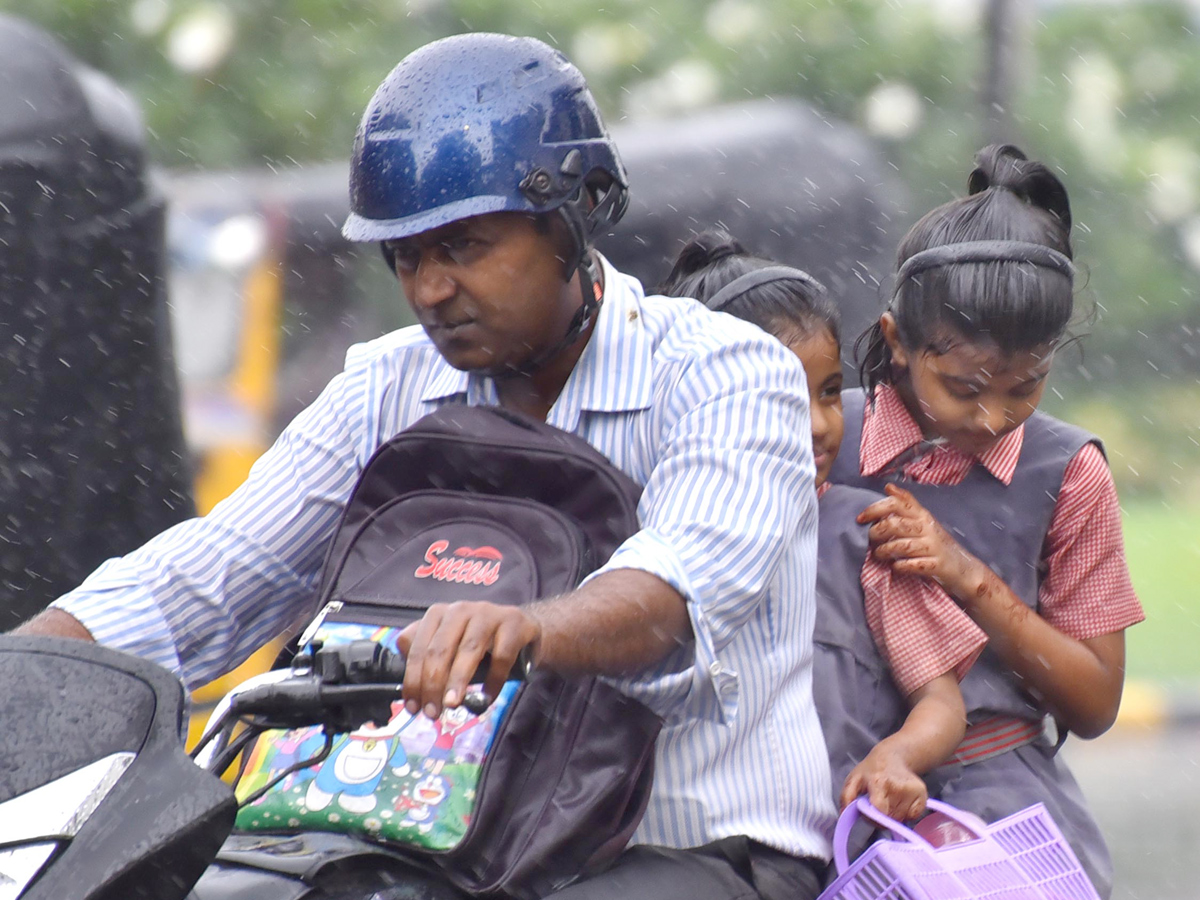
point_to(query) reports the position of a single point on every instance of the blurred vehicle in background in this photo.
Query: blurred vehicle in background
(266, 295)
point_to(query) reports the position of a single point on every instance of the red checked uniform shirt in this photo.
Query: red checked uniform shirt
(1087, 591)
(920, 631)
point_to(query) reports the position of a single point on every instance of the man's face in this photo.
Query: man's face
(489, 291)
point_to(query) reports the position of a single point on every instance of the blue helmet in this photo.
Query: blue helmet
(482, 123)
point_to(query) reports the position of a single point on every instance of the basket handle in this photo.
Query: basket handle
(967, 820)
(863, 807)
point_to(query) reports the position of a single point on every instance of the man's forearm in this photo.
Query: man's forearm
(618, 623)
(54, 623)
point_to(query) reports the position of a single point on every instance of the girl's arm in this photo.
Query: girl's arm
(1079, 681)
(890, 775)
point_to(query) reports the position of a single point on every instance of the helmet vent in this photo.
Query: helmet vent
(528, 74)
(572, 165)
(485, 92)
(538, 186)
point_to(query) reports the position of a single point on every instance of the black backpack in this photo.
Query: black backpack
(480, 503)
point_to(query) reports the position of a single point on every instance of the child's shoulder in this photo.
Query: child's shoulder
(1047, 436)
(839, 495)
(838, 507)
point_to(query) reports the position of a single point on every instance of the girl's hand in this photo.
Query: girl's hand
(892, 787)
(907, 537)
(1079, 681)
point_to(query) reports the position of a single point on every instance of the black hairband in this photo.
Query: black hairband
(985, 251)
(757, 278)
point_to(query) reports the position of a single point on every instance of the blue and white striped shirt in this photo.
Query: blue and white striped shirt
(706, 411)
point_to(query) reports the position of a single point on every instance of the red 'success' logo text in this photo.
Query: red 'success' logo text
(466, 565)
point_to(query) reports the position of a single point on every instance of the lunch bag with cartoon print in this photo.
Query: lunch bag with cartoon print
(550, 781)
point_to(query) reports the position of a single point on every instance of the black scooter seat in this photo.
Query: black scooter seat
(315, 866)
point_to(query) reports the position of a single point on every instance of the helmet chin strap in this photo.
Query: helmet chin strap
(582, 214)
(590, 292)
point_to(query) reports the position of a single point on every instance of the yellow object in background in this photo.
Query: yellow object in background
(226, 453)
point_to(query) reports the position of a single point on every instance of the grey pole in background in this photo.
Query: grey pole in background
(92, 458)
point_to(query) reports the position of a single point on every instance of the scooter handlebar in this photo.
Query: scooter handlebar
(334, 685)
(303, 701)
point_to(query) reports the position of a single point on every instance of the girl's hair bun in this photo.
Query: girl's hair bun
(705, 249)
(1005, 167)
(779, 299)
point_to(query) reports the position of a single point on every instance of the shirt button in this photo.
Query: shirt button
(715, 669)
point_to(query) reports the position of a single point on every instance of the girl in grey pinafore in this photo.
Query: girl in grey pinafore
(983, 295)
(1005, 526)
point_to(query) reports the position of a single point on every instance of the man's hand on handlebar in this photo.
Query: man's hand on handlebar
(445, 648)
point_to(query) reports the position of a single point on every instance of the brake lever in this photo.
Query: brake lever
(477, 701)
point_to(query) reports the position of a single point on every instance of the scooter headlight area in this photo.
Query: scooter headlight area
(98, 800)
(34, 825)
(20, 865)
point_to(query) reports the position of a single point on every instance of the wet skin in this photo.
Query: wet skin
(823, 366)
(969, 392)
(493, 294)
(490, 291)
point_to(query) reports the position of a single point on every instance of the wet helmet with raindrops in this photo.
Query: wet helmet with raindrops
(481, 123)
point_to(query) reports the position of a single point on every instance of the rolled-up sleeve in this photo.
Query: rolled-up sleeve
(726, 494)
(118, 612)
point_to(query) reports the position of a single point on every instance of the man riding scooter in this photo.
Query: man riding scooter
(483, 169)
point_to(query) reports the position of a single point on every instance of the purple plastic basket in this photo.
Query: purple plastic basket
(1022, 857)
(1036, 845)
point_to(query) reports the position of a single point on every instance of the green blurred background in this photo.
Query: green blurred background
(1106, 92)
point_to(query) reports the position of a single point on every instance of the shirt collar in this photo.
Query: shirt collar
(445, 382)
(889, 430)
(612, 374)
